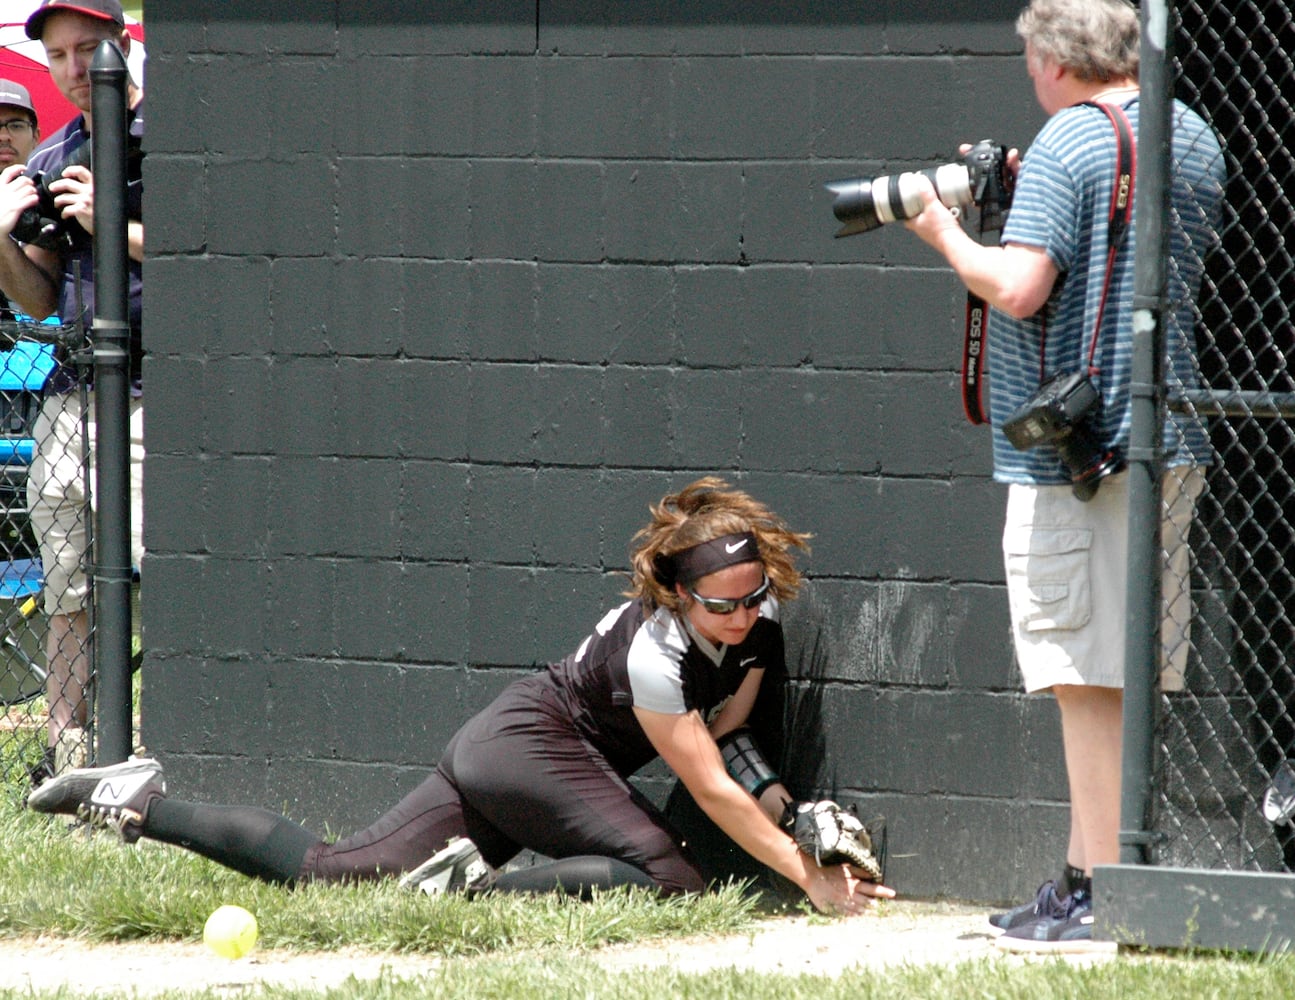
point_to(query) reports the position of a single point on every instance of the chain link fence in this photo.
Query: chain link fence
(30, 747)
(1224, 787)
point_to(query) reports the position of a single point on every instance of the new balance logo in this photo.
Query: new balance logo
(117, 791)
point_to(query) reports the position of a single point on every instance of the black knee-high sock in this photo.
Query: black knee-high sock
(247, 839)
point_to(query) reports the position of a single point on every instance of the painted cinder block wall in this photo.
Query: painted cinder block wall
(441, 296)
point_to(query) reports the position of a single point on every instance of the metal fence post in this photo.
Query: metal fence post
(1141, 651)
(111, 557)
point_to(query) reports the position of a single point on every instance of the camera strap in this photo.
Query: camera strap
(1121, 210)
(974, 360)
(975, 329)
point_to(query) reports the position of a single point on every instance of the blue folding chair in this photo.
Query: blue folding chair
(23, 372)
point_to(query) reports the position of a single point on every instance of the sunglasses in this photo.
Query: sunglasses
(727, 605)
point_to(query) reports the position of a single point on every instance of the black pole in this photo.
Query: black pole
(110, 558)
(1142, 642)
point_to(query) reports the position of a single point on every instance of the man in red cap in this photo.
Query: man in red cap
(46, 277)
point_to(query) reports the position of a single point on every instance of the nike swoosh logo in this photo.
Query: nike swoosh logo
(749, 659)
(731, 548)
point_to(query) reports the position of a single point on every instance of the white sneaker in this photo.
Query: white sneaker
(451, 869)
(1279, 800)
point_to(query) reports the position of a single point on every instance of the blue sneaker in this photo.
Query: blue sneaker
(1070, 933)
(1046, 903)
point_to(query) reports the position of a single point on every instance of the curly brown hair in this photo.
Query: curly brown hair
(701, 511)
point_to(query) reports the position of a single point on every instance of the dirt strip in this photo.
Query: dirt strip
(894, 934)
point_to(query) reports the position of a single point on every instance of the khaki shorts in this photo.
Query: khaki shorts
(58, 503)
(1067, 569)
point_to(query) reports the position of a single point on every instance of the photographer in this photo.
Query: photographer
(48, 269)
(1065, 541)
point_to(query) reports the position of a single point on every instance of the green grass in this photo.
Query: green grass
(94, 887)
(65, 883)
(19, 750)
(1053, 980)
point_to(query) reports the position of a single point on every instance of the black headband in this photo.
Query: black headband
(708, 557)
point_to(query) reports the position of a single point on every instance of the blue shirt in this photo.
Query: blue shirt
(1062, 206)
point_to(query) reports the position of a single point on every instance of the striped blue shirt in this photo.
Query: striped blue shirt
(1062, 205)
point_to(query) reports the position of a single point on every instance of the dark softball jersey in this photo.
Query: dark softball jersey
(659, 663)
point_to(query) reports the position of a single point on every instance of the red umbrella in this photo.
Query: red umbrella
(23, 61)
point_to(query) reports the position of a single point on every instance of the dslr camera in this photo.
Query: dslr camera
(981, 178)
(43, 225)
(1061, 414)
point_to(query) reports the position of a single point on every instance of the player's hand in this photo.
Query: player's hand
(17, 194)
(837, 889)
(74, 195)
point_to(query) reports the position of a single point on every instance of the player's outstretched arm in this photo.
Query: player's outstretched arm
(686, 745)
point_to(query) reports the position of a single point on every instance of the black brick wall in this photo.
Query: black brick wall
(441, 296)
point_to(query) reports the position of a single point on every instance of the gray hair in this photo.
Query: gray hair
(1096, 40)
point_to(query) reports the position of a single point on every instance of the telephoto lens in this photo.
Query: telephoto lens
(865, 203)
(981, 178)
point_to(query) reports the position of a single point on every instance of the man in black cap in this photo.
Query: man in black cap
(18, 130)
(19, 134)
(57, 278)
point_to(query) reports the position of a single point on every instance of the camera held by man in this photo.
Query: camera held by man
(42, 225)
(981, 178)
